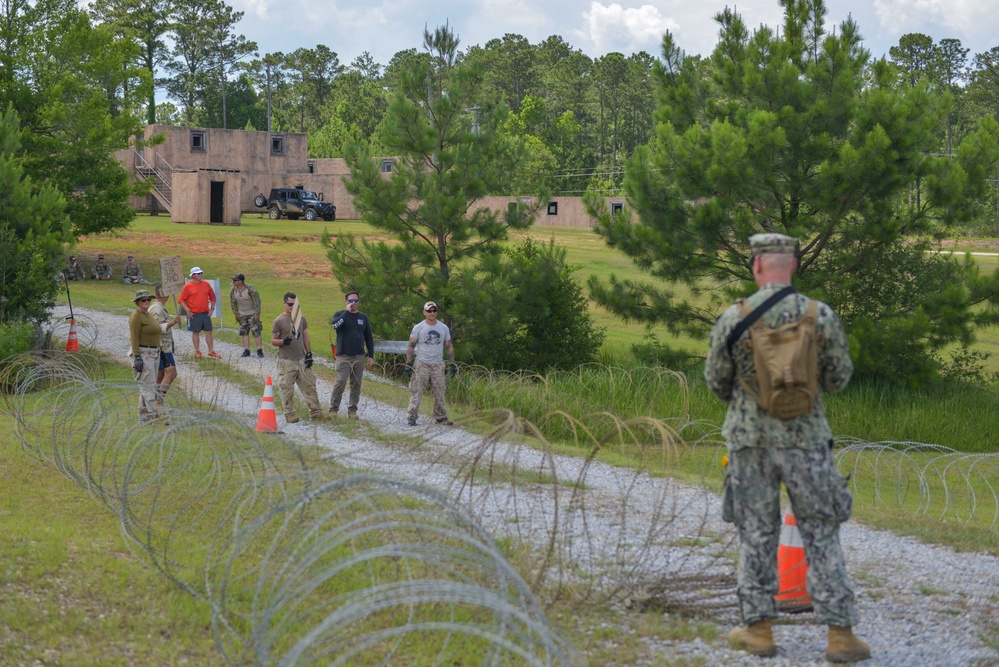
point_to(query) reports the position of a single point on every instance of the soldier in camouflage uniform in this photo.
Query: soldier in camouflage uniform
(132, 274)
(245, 303)
(74, 271)
(102, 270)
(765, 451)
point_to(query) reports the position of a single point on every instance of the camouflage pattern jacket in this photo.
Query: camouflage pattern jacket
(75, 272)
(132, 271)
(253, 293)
(746, 424)
(102, 270)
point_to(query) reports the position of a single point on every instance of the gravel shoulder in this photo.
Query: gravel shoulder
(919, 604)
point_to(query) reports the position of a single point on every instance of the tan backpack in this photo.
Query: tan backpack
(787, 364)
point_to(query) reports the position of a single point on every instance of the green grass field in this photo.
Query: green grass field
(74, 594)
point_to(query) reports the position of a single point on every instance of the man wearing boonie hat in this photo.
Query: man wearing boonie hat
(74, 271)
(132, 273)
(794, 448)
(245, 303)
(144, 332)
(427, 342)
(102, 270)
(198, 299)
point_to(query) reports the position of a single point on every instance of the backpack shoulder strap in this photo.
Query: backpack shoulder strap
(748, 320)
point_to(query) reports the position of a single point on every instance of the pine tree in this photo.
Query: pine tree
(794, 131)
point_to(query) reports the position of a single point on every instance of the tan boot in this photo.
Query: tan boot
(844, 646)
(757, 639)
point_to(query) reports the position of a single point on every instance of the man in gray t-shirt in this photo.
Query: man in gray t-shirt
(427, 342)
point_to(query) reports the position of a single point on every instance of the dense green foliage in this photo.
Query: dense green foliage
(524, 310)
(519, 310)
(15, 338)
(34, 228)
(76, 87)
(794, 131)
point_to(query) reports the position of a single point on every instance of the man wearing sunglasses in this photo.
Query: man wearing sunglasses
(144, 332)
(427, 342)
(294, 362)
(353, 335)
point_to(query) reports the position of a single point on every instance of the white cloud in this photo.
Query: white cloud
(961, 19)
(615, 28)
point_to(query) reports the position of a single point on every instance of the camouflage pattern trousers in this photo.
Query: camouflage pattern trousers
(248, 326)
(292, 373)
(348, 366)
(424, 373)
(146, 379)
(820, 500)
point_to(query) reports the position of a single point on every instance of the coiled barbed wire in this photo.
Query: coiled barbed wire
(915, 476)
(298, 568)
(586, 530)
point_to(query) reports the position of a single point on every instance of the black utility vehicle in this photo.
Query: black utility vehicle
(295, 203)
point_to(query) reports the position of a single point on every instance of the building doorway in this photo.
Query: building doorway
(217, 202)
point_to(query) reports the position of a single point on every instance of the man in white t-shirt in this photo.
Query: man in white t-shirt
(428, 341)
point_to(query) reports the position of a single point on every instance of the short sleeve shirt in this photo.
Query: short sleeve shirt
(283, 329)
(430, 341)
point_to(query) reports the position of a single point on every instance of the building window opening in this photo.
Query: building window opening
(617, 208)
(198, 141)
(553, 208)
(386, 166)
(312, 167)
(277, 145)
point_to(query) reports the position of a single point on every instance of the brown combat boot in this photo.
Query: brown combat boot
(757, 639)
(844, 646)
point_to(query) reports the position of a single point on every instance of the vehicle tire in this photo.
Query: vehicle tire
(310, 214)
(274, 213)
(260, 201)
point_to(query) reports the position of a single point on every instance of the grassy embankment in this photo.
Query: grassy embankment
(279, 256)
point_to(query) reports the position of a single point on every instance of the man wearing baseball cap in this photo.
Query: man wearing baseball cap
(198, 299)
(74, 271)
(427, 342)
(102, 270)
(132, 273)
(245, 303)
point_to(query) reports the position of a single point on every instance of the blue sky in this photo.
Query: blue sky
(383, 27)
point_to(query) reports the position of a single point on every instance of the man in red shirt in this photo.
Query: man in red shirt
(198, 299)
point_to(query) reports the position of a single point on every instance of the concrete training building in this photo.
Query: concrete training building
(211, 176)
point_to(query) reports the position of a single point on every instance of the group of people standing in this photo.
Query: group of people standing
(774, 438)
(151, 336)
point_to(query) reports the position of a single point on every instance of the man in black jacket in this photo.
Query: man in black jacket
(353, 335)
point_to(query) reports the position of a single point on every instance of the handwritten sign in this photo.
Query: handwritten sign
(296, 317)
(171, 275)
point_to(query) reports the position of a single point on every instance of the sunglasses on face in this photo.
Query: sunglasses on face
(144, 300)
(289, 303)
(431, 310)
(352, 300)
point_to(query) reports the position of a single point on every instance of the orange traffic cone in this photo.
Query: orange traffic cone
(72, 343)
(792, 569)
(267, 421)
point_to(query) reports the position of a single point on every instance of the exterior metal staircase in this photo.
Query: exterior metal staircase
(159, 175)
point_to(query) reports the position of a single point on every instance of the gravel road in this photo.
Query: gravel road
(920, 605)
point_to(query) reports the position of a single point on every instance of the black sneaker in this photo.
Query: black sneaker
(443, 421)
(246, 353)
(412, 421)
(260, 353)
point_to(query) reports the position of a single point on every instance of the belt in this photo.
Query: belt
(150, 347)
